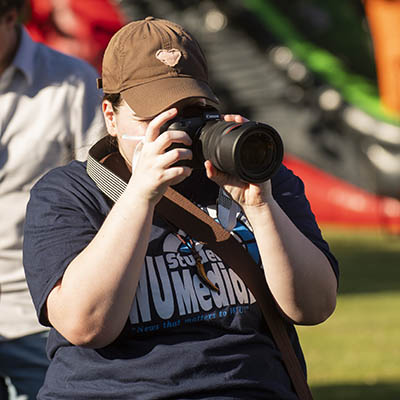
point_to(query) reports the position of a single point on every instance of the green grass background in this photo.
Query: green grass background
(355, 354)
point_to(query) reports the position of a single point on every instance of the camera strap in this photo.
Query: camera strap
(227, 210)
(110, 173)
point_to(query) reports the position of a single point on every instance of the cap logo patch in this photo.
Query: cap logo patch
(169, 57)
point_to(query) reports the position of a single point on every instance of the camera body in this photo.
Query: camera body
(252, 151)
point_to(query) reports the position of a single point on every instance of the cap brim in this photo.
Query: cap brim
(149, 99)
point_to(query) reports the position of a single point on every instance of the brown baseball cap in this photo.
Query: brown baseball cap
(154, 63)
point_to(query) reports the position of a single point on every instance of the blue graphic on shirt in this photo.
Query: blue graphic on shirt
(246, 237)
(171, 294)
(184, 247)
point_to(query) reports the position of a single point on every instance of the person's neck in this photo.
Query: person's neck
(13, 44)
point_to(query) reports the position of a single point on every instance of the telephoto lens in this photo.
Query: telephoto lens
(251, 151)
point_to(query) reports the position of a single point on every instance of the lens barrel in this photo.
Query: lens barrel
(252, 151)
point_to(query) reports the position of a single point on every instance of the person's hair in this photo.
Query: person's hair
(114, 98)
(7, 5)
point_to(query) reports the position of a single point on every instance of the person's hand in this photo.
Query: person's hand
(245, 194)
(154, 171)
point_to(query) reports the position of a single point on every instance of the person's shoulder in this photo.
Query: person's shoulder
(64, 177)
(283, 174)
(285, 182)
(64, 65)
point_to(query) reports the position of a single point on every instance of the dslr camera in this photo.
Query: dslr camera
(251, 151)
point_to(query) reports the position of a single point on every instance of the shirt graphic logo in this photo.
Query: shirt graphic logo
(170, 293)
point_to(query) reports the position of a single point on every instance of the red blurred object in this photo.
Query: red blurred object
(337, 202)
(79, 28)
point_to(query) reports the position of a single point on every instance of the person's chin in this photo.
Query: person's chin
(198, 188)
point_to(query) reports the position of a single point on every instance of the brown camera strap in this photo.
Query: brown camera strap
(111, 178)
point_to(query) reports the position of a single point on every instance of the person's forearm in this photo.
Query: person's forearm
(91, 304)
(298, 274)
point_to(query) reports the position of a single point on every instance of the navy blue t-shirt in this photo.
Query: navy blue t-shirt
(181, 340)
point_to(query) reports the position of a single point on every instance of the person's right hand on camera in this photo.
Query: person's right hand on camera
(153, 171)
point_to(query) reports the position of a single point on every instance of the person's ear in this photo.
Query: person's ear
(109, 118)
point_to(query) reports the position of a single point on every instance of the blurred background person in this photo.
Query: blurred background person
(49, 114)
(79, 28)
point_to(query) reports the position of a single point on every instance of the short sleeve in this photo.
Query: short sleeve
(63, 215)
(288, 191)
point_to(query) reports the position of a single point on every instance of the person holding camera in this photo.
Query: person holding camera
(137, 307)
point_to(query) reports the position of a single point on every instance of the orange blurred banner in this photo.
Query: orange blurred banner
(384, 21)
